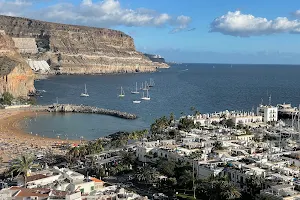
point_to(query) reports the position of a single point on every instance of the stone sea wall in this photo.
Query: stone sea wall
(89, 109)
(71, 49)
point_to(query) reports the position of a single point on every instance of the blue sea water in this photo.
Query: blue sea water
(207, 87)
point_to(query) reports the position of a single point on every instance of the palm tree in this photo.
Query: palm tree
(147, 174)
(228, 191)
(22, 166)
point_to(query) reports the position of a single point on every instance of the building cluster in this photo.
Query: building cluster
(265, 152)
(64, 184)
(264, 114)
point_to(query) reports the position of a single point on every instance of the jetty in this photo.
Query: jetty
(71, 108)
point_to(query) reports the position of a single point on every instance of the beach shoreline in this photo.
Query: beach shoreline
(14, 141)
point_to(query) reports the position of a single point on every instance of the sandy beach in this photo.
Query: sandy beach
(14, 141)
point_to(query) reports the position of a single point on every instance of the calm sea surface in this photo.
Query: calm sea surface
(208, 88)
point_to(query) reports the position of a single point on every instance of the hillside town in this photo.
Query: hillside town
(242, 155)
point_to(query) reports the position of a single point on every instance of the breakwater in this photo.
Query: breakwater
(64, 108)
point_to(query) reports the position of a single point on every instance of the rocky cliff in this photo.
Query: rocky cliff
(16, 77)
(74, 49)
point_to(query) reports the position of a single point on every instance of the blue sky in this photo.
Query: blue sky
(214, 31)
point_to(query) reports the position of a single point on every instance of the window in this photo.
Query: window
(92, 188)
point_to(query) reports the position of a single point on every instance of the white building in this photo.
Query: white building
(268, 113)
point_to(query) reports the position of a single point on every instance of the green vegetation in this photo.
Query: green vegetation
(185, 197)
(22, 166)
(186, 124)
(7, 98)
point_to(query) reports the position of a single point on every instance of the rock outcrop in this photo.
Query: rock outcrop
(16, 77)
(72, 49)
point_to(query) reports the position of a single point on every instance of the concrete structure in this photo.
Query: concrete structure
(39, 66)
(269, 113)
(26, 45)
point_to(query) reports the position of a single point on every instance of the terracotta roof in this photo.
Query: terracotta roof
(36, 177)
(37, 192)
(96, 180)
(26, 192)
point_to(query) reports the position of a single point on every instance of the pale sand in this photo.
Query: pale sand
(15, 142)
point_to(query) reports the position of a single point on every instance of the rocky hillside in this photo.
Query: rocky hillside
(77, 49)
(16, 77)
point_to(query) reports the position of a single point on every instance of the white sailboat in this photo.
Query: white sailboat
(147, 97)
(151, 84)
(85, 94)
(122, 94)
(142, 87)
(136, 90)
(146, 87)
(136, 101)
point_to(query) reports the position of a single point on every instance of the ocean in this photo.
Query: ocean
(207, 87)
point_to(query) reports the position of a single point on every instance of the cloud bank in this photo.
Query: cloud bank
(101, 13)
(246, 25)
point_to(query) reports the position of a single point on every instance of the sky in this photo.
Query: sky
(202, 31)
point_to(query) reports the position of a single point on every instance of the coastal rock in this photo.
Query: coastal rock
(16, 77)
(71, 49)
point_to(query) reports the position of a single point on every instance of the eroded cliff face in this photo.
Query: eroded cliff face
(16, 77)
(77, 49)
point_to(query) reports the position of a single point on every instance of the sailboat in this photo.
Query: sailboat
(147, 97)
(85, 94)
(122, 94)
(146, 87)
(151, 84)
(142, 87)
(136, 101)
(136, 90)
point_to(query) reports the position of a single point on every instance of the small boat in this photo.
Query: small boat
(136, 90)
(147, 97)
(142, 87)
(122, 94)
(85, 94)
(146, 86)
(136, 101)
(151, 84)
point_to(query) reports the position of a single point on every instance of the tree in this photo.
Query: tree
(214, 123)
(217, 188)
(192, 108)
(172, 118)
(7, 98)
(229, 123)
(186, 179)
(197, 112)
(22, 166)
(166, 167)
(147, 174)
(218, 146)
(160, 125)
(186, 124)
(1, 160)
(195, 155)
(128, 158)
(254, 185)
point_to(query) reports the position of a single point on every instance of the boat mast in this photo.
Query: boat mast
(136, 87)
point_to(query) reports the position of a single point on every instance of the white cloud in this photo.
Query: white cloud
(296, 13)
(100, 13)
(246, 25)
(12, 8)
